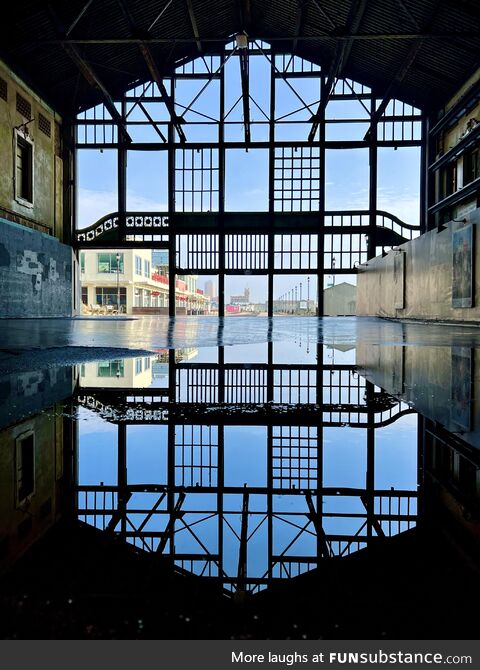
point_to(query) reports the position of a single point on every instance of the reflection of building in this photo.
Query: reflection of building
(340, 299)
(31, 457)
(122, 373)
(137, 279)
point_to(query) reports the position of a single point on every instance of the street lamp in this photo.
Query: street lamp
(118, 282)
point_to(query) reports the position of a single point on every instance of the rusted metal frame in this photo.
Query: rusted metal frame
(154, 71)
(342, 53)
(402, 72)
(90, 75)
(245, 81)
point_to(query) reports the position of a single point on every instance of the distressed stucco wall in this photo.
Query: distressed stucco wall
(428, 279)
(35, 273)
(45, 212)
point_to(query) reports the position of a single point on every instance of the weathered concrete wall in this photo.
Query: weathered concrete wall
(430, 379)
(45, 212)
(35, 273)
(428, 279)
(23, 394)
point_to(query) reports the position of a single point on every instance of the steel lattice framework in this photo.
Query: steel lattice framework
(286, 111)
(299, 519)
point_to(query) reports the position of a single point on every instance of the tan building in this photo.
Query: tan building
(340, 299)
(127, 277)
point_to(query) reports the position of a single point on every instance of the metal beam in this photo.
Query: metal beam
(314, 518)
(193, 21)
(154, 71)
(176, 514)
(245, 9)
(389, 93)
(78, 17)
(90, 75)
(244, 74)
(368, 37)
(401, 74)
(299, 21)
(342, 53)
(242, 553)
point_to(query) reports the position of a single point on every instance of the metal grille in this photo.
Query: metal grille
(24, 107)
(196, 180)
(245, 386)
(197, 252)
(197, 385)
(297, 179)
(344, 252)
(294, 386)
(246, 252)
(295, 457)
(296, 252)
(44, 125)
(343, 387)
(196, 455)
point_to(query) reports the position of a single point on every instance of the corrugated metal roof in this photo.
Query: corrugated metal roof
(32, 45)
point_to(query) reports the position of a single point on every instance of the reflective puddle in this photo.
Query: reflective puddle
(197, 491)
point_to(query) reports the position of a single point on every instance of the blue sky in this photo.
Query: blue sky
(247, 172)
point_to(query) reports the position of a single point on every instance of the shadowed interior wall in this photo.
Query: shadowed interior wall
(428, 279)
(35, 273)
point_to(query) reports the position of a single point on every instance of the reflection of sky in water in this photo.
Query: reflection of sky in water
(344, 465)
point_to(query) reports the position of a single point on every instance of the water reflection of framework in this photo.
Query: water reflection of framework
(290, 515)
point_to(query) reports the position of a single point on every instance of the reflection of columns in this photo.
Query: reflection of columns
(122, 480)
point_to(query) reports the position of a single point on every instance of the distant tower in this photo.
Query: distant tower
(246, 293)
(210, 289)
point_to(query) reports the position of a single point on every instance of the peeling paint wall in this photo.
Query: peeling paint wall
(43, 133)
(35, 273)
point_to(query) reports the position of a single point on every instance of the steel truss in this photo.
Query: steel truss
(196, 142)
(298, 519)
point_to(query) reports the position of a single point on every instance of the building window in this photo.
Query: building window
(85, 295)
(138, 366)
(137, 298)
(138, 265)
(24, 170)
(146, 268)
(108, 295)
(147, 363)
(82, 262)
(25, 467)
(471, 166)
(449, 179)
(109, 263)
(111, 369)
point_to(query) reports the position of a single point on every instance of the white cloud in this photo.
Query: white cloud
(92, 205)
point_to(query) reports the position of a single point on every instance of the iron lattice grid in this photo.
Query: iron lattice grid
(199, 496)
(295, 234)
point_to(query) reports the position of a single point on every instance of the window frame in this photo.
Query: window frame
(21, 139)
(19, 440)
